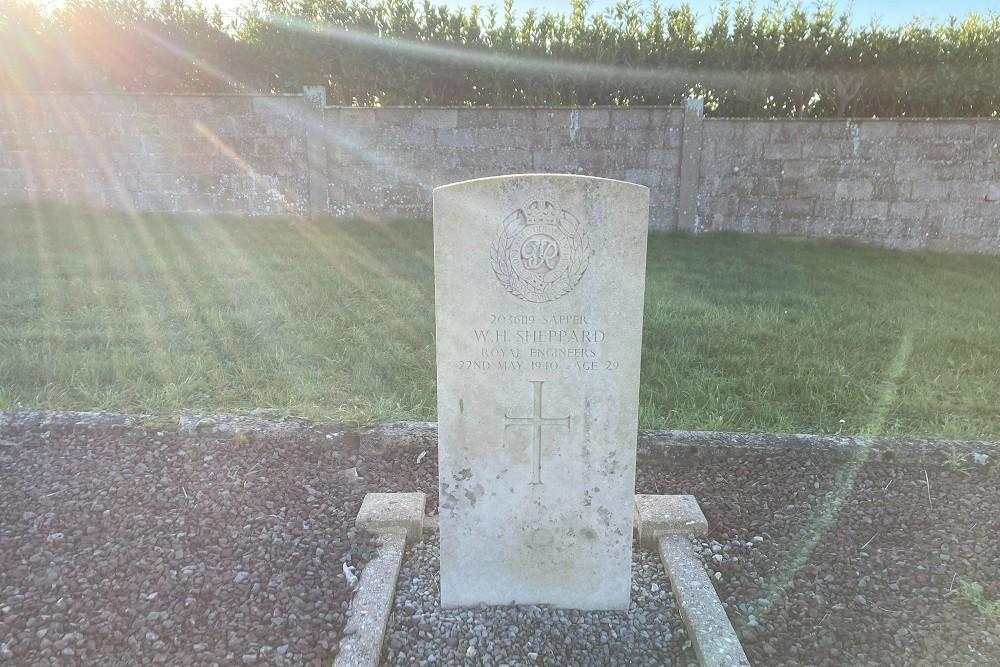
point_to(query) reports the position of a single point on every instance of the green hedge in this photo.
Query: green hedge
(778, 61)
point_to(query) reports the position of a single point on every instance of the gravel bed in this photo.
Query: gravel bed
(828, 559)
(131, 546)
(125, 544)
(421, 633)
(833, 561)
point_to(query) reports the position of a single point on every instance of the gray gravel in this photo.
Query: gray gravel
(137, 546)
(421, 633)
(122, 545)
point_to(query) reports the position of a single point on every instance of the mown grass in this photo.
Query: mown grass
(334, 319)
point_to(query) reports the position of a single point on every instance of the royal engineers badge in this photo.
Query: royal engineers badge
(541, 252)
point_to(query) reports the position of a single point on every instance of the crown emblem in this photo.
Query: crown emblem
(541, 213)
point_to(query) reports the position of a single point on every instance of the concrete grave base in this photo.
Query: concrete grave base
(664, 523)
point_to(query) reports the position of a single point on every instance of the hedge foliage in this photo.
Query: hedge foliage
(780, 60)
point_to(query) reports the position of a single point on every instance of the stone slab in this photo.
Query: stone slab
(539, 283)
(657, 515)
(381, 512)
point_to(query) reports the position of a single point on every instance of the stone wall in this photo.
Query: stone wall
(897, 183)
(385, 162)
(217, 154)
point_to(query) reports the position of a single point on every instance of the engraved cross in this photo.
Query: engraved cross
(536, 421)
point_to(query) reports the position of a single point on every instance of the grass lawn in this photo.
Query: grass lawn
(334, 319)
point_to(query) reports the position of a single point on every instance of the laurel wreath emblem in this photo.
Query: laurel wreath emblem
(575, 252)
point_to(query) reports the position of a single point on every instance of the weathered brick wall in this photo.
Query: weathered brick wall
(219, 154)
(897, 183)
(385, 162)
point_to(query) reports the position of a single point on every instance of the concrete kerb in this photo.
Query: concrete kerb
(665, 445)
(668, 523)
(364, 632)
(669, 445)
(397, 519)
(712, 635)
(406, 436)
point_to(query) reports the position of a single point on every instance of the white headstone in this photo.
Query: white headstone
(539, 292)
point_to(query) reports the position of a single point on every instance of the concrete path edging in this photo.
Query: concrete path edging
(667, 523)
(397, 519)
(712, 635)
(364, 632)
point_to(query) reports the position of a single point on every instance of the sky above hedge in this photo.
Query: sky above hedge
(888, 13)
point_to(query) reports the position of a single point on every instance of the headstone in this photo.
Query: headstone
(539, 293)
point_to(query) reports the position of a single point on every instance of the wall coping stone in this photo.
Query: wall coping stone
(117, 93)
(603, 107)
(856, 119)
(840, 119)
